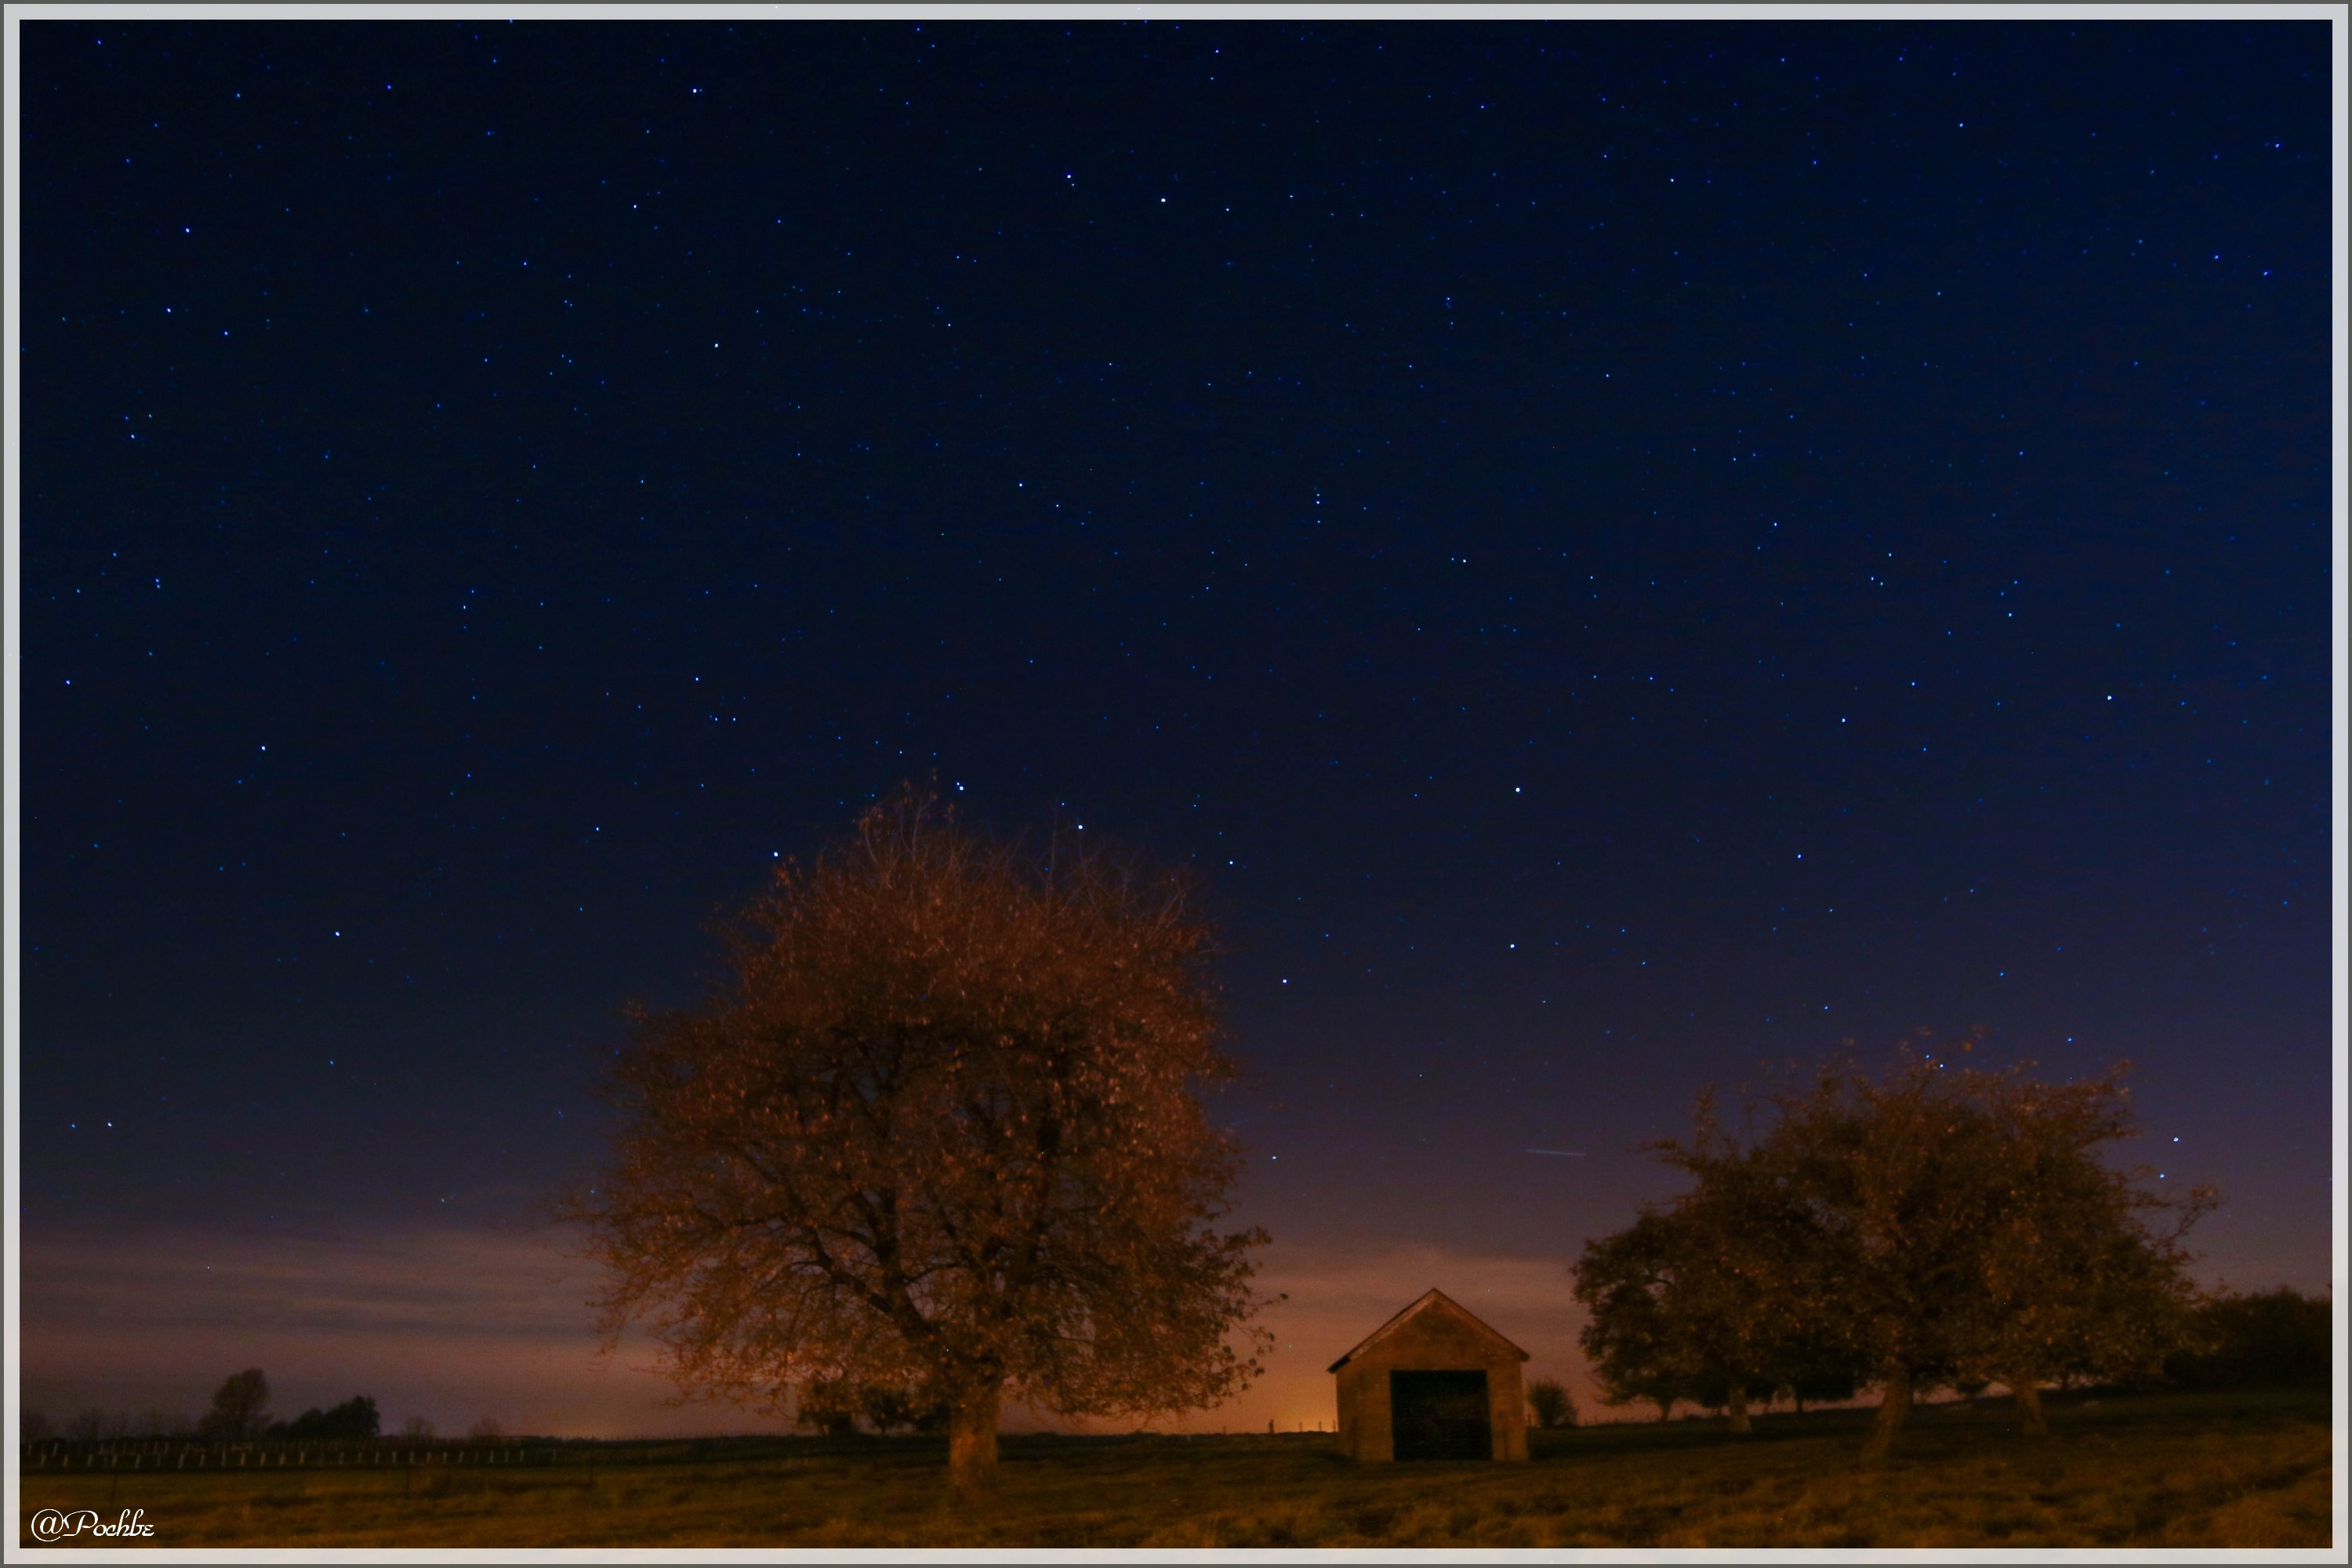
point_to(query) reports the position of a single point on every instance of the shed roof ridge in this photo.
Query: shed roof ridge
(1412, 1309)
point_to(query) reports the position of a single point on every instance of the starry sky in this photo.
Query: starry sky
(1624, 552)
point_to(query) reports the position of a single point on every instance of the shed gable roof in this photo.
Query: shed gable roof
(1433, 1300)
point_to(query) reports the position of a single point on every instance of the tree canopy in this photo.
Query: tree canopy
(939, 1141)
(240, 1407)
(1691, 1302)
(1622, 1281)
(1937, 1225)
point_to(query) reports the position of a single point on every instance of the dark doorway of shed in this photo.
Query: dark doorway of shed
(1441, 1416)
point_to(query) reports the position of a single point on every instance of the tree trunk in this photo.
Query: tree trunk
(1738, 1404)
(2029, 1408)
(972, 1439)
(1891, 1413)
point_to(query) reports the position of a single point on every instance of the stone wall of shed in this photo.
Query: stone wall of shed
(1435, 1341)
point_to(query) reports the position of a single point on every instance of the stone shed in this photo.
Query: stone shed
(1433, 1383)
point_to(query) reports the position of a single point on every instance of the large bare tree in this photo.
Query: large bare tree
(942, 1137)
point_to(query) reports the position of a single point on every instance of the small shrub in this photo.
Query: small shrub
(1551, 1405)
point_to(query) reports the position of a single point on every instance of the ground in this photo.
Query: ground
(2246, 1469)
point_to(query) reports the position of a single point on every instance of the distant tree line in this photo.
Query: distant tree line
(2273, 1339)
(90, 1426)
(240, 1413)
(836, 1407)
(1939, 1226)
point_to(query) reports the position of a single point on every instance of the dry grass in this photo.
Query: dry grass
(2206, 1470)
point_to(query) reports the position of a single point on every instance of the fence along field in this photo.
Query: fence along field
(149, 1455)
(2224, 1469)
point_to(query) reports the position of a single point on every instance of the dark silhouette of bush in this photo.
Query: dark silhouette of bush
(1823, 1387)
(1551, 1405)
(2271, 1339)
(891, 1410)
(828, 1406)
(835, 1407)
(354, 1418)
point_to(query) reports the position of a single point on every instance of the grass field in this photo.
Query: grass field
(2212, 1470)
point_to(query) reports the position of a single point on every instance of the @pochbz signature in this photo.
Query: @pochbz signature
(63, 1525)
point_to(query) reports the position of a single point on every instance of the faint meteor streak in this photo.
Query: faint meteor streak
(1563, 1154)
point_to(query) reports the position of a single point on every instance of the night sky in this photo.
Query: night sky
(1625, 553)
